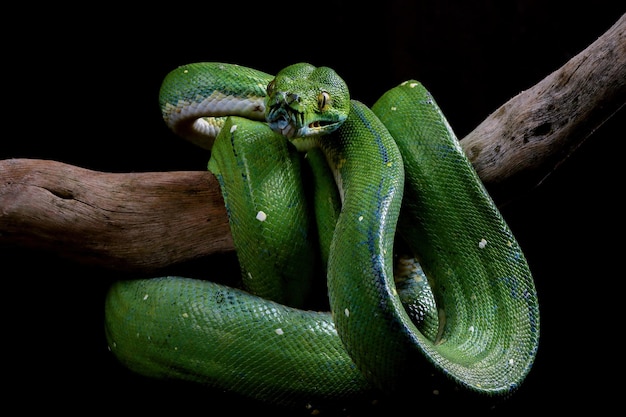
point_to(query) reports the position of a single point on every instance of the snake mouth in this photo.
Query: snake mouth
(293, 124)
(323, 126)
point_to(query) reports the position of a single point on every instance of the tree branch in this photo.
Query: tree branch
(149, 221)
(129, 221)
(528, 137)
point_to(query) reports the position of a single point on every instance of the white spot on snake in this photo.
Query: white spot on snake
(185, 315)
(185, 71)
(233, 128)
(249, 275)
(413, 85)
(346, 312)
(360, 218)
(482, 243)
(279, 331)
(471, 329)
(394, 108)
(261, 216)
(145, 297)
(511, 361)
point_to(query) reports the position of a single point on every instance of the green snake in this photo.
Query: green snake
(422, 272)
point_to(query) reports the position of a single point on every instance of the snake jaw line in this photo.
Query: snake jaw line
(292, 124)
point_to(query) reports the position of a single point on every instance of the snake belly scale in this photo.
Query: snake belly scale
(396, 176)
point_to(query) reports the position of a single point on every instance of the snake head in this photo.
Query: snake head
(304, 101)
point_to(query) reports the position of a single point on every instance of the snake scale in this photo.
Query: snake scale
(423, 273)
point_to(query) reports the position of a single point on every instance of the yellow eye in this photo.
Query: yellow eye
(323, 100)
(270, 87)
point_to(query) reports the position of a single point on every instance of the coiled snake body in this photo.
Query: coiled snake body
(385, 178)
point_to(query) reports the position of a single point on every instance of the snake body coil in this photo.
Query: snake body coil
(402, 180)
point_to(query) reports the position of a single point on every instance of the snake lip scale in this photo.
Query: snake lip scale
(423, 275)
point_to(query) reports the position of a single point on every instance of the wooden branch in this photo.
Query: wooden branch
(525, 139)
(134, 222)
(149, 221)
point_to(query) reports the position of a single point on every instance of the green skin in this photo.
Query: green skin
(397, 168)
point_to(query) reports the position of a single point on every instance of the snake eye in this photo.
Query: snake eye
(323, 100)
(270, 87)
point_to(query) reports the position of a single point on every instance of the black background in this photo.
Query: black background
(81, 86)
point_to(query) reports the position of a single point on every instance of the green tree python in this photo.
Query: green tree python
(423, 274)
